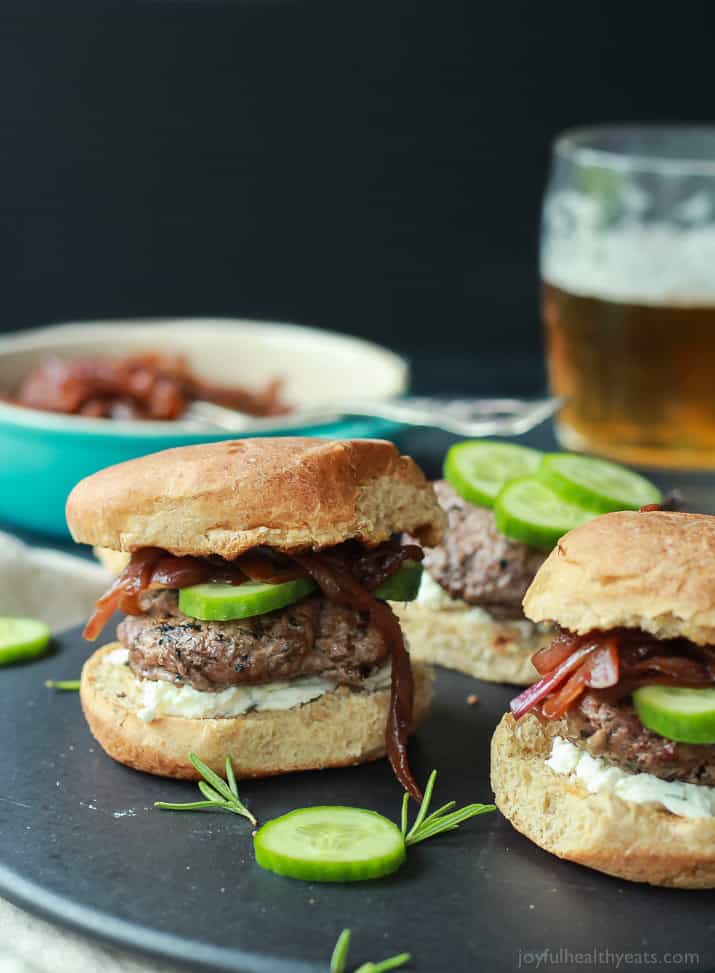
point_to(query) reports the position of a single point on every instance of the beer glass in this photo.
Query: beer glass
(628, 272)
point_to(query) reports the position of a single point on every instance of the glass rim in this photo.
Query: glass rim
(576, 145)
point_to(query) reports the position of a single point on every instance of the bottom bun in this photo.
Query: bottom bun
(490, 649)
(338, 729)
(638, 842)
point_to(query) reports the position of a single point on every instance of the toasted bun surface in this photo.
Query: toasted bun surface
(224, 498)
(654, 571)
(638, 842)
(496, 651)
(339, 729)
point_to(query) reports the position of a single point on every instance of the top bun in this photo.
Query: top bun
(290, 494)
(653, 570)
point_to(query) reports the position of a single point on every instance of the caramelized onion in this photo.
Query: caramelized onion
(603, 666)
(551, 656)
(600, 670)
(676, 669)
(618, 662)
(374, 566)
(527, 700)
(262, 568)
(556, 704)
(125, 590)
(183, 572)
(178, 572)
(338, 584)
(142, 386)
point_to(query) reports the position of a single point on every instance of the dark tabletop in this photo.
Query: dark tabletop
(83, 845)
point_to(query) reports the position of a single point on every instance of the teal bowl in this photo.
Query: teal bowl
(43, 455)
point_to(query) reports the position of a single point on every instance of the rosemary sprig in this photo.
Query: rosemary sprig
(217, 792)
(443, 819)
(70, 685)
(340, 958)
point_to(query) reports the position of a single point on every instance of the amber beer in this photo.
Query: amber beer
(639, 377)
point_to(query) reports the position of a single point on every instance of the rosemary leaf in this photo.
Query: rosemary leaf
(238, 807)
(191, 806)
(339, 958)
(70, 685)
(211, 777)
(443, 819)
(448, 823)
(424, 806)
(403, 822)
(340, 952)
(231, 777)
(440, 811)
(387, 964)
(220, 795)
(209, 793)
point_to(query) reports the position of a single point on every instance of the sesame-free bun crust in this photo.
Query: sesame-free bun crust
(339, 729)
(638, 842)
(654, 571)
(496, 651)
(224, 498)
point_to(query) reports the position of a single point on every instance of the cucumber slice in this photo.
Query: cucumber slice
(683, 715)
(403, 585)
(478, 469)
(528, 511)
(596, 483)
(22, 638)
(223, 602)
(330, 844)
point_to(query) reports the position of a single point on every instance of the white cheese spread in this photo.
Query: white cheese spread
(432, 595)
(155, 698)
(596, 774)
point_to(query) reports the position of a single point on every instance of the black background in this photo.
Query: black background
(371, 167)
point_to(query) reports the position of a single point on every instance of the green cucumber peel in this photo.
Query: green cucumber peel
(478, 468)
(596, 484)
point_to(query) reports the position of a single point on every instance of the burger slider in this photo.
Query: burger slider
(467, 615)
(257, 623)
(507, 507)
(609, 760)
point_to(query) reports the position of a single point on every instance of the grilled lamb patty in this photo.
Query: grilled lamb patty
(310, 638)
(614, 732)
(477, 564)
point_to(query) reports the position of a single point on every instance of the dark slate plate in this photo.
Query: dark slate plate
(81, 844)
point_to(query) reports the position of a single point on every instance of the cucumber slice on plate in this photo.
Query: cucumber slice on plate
(223, 602)
(683, 715)
(22, 638)
(478, 469)
(330, 844)
(596, 483)
(528, 511)
(403, 585)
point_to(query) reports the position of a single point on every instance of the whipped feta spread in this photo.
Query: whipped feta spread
(432, 595)
(597, 775)
(155, 698)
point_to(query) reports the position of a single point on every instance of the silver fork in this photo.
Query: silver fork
(464, 417)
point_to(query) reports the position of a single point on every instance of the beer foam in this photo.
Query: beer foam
(632, 261)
